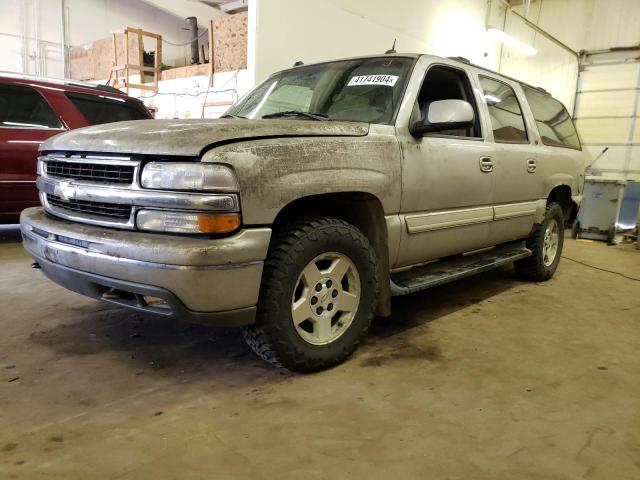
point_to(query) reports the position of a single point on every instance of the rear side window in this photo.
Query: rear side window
(24, 107)
(506, 117)
(554, 122)
(99, 109)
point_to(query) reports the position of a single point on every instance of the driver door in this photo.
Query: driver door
(447, 177)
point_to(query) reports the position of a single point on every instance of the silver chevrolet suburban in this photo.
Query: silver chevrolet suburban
(323, 192)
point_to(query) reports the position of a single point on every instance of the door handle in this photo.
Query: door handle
(486, 164)
(531, 165)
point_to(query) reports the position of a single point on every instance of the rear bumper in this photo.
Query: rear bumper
(211, 281)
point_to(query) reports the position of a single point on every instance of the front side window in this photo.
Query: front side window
(506, 117)
(362, 90)
(447, 83)
(552, 119)
(98, 109)
(24, 107)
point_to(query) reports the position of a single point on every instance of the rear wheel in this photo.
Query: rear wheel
(318, 295)
(546, 247)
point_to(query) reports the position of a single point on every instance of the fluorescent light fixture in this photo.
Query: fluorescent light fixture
(512, 42)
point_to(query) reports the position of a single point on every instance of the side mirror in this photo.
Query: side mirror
(444, 115)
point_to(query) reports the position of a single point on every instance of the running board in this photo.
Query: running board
(455, 268)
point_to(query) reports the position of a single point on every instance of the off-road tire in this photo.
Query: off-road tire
(533, 267)
(273, 337)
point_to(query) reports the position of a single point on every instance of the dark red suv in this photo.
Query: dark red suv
(33, 109)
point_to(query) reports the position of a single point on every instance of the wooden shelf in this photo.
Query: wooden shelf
(129, 67)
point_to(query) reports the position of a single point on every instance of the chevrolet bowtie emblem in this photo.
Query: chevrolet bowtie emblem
(65, 190)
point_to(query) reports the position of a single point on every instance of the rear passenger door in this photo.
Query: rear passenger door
(518, 185)
(560, 157)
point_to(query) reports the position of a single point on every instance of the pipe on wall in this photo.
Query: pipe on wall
(45, 50)
(23, 36)
(537, 29)
(38, 58)
(193, 27)
(546, 34)
(63, 28)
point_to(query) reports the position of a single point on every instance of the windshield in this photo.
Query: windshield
(361, 90)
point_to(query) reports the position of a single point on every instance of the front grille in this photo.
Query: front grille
(111, 210)
(93, 172)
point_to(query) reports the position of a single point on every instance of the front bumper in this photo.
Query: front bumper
(211, 281)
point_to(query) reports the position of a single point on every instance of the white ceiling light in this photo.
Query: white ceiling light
(227, 6)
(512, 42)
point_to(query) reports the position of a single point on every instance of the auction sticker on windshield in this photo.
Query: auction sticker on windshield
(388, 80)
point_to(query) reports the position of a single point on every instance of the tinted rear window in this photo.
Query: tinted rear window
(24, 107)
(99, 109)
(554, 122)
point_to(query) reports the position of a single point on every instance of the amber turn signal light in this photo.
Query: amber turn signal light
(223, 223)
(186, 222)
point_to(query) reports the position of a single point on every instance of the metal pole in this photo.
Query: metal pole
(579, 79)
(542, 32)
(193, 27)
(487, 17)
(63, 50)
(547, 35)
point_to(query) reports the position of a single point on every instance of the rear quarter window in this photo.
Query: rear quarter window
(552, 119)
(24, 107)
(98, 109)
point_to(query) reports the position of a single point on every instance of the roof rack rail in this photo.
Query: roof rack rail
(465, 60)
(108, 88)
(460, 59)
(64, 81)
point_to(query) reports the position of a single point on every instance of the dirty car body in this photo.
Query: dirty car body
(341, 142)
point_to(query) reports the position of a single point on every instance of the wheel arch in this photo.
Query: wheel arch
(361, 209)
(561, 194)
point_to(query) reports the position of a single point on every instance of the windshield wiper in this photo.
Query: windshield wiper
(228, 115)
(298, 113)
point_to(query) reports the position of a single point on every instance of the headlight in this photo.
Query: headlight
(187, 222)
(189, 176)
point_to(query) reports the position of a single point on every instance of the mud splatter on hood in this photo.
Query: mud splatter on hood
(190, 137)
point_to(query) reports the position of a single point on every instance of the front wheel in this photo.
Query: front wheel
(545, 245)
(318, 294)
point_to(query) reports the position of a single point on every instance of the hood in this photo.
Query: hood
(190, 137)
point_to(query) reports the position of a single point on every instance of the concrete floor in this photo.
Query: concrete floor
(489, 378)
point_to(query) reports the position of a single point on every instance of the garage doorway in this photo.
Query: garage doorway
(606, 111)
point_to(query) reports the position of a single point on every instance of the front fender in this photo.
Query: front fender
(275, 172)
